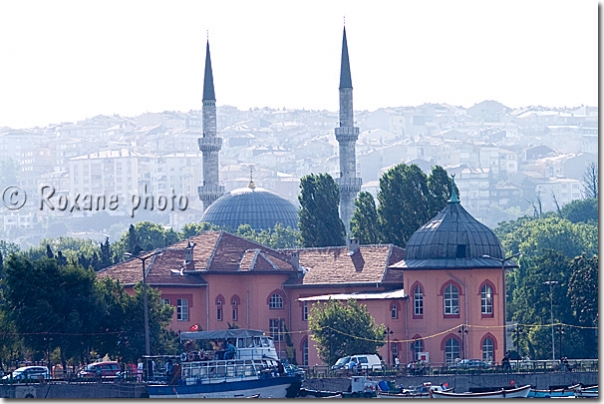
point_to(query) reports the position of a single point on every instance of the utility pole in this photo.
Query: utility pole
(551, 311)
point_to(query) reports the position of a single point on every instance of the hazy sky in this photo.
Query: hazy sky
(71, 60)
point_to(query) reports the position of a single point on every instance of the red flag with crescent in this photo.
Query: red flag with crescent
(194, 327)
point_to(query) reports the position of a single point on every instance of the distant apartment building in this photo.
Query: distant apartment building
(557, 192)
(119, 172)
(34, 163)
(14, 142)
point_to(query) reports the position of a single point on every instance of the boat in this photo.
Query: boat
(586, 392)
(421, 391)
(565, 392)
(250, 366)
(520, 392)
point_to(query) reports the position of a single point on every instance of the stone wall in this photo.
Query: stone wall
(74, 390)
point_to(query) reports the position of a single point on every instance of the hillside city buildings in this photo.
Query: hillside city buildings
(508, 162)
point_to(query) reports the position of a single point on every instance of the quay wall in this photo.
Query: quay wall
(463, 383)
(74, 390)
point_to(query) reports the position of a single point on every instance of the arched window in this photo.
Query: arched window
(219, 304)
(276, 301)
(486, 300)
(451, 300)
(235, 305)
(305, 352)
(451, 350)
(394, 311)
(417, 347)
(488, 350)
(418, 302)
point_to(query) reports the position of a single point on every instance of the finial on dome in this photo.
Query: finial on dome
(454, 198)
(251, 185)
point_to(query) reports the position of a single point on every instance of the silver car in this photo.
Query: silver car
(28, 372)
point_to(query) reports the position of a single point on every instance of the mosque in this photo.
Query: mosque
(440, 298)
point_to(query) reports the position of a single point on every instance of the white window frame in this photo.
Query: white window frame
(418, 301)
(451, 300)
(276, 301)
(486, 299)
(182, 309)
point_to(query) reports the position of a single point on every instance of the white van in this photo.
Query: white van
(367, 361)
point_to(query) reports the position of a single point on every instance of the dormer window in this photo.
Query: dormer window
(461, 251)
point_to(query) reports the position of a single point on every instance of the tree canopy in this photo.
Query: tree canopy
(320, 223)
(364, 223)
(344, 328)
(408, 199)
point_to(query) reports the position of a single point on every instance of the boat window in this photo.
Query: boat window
(265, 342)
(257, 341)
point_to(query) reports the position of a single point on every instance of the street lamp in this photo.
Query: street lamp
(551, 312)
(388, 332)
(518, 331)
(504, 291)
(145, 302)
(463, 331)
(561, 331)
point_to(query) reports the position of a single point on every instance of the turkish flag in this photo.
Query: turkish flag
(194, 327)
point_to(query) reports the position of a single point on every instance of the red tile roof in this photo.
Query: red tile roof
(214, 251)
(334, 265)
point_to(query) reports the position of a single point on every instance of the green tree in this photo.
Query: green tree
(105, 254)
(581, 210)
(364, 223)
(320, 223)
(583, 288)
(193, 229)
(62, 310)
(342, 329)
(133, 244)
(440, 187)
(277, 237)
(405, 203)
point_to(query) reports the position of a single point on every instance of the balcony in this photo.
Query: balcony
(209, 144)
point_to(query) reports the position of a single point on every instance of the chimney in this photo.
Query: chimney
(353, 245)
(295, 259)
(189, 253)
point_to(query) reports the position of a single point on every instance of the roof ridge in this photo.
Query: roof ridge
(214, 251)
(275, 267)
(254, 259)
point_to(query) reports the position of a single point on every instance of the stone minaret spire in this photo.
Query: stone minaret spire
(347, 135)
(209, 144)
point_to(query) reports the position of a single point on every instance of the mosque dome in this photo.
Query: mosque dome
(258, 207)
(453, 239)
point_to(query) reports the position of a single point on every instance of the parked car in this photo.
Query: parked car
(28, 372)
(366, 361)
(108, 370)
(470, 364)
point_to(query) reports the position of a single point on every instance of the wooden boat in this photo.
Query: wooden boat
(565, 392)
(587, 392)
(409, 394)
(253, 368)
(520, 392)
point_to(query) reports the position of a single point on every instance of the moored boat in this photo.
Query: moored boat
(587, 392)
(520, 392)
(565, 392)
(249, 366)
(421, 391)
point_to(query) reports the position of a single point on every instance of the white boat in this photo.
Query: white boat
(587, 392)
(421, 391)
(565, 392)
(520, 392)
(253, 369)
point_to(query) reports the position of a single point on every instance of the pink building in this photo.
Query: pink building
(440, 297)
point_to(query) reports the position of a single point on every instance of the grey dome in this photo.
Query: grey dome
(258, 207)
(453, 239)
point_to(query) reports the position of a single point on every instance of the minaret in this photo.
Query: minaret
(347, 135)
(209, 144)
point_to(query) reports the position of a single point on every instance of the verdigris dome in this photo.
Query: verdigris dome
(258, 207)
(453, 239)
